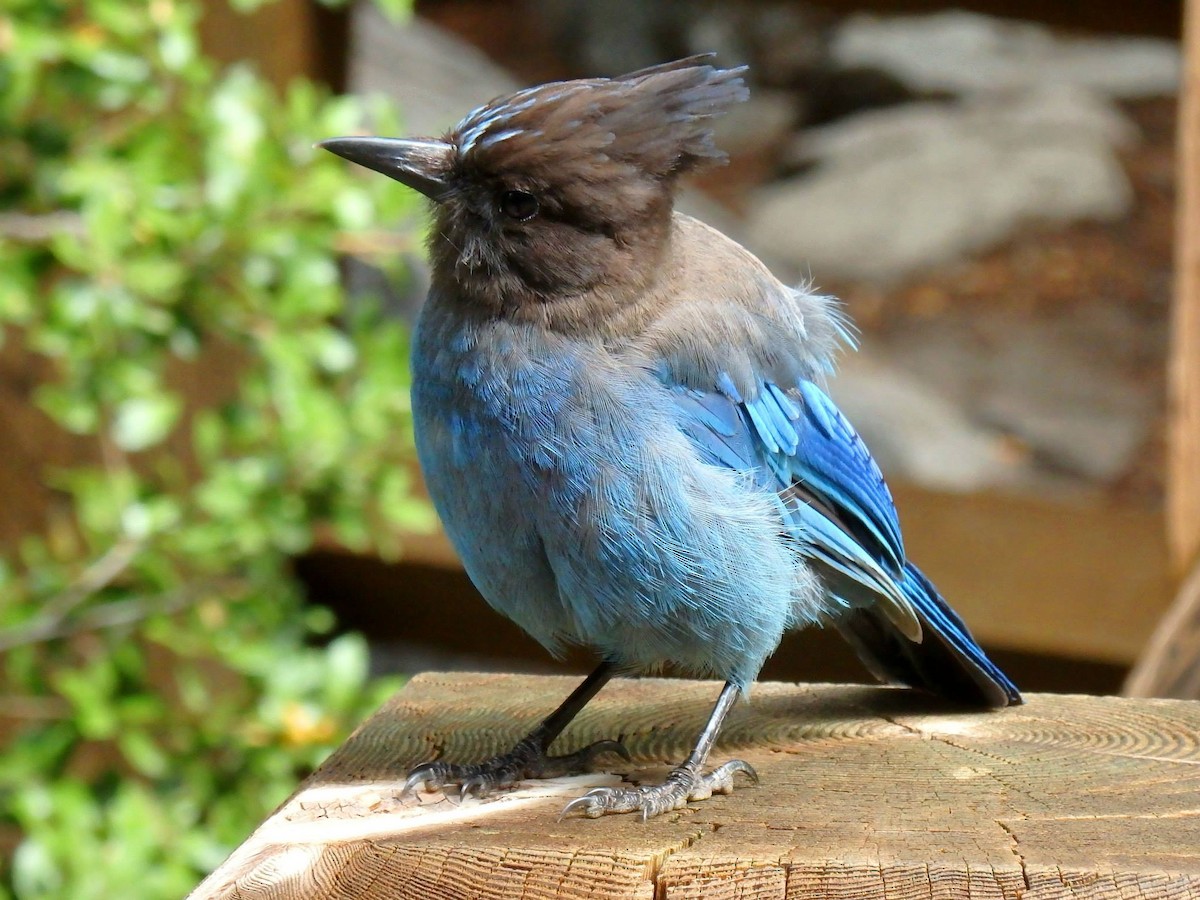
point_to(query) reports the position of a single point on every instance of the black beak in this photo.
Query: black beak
(422, 165)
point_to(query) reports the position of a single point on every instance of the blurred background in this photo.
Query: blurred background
(215, 551)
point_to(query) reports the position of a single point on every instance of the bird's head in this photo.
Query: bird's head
(563, 188)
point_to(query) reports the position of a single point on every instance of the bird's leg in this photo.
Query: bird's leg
(686, 782)
(529, 758)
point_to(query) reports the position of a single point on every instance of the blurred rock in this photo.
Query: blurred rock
(434, 77)
(897, 190)
(695, 203)
(984, 399)
(762, 123)
(784, 43)
(831, 94)
(1054, 114)
(966, 53)
(1066, 386)
(611, 37)
(917, 434)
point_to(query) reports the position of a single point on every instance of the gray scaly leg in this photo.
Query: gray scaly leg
(686, 782)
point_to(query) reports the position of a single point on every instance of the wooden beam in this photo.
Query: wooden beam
(1183, 483)
(1082, 579)
(1170, 664)
(283, 39)
(864, 792)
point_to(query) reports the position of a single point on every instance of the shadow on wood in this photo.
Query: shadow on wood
(864, 792)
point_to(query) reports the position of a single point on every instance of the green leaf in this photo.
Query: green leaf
(143, 753)
(334, 352)
(35, 871)
(177, 48)
(77, 413)
(346, 664)
(91, 693)
(395, 10)
(187, 217)
(142, 422)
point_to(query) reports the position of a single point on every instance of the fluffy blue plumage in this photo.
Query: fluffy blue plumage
(583, 511)
(596, 499)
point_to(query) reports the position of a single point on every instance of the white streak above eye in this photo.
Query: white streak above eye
(492, 139)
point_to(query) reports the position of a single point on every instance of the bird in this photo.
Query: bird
(622, 420)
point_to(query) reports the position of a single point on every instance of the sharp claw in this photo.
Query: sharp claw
(477, 787)
(415, 779)
(739, 766)
(582, 803)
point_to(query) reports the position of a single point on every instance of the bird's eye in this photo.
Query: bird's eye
(519, 205)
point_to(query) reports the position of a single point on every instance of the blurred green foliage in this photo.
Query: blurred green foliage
(160, 687)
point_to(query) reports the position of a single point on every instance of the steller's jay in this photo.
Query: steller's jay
(619, 416)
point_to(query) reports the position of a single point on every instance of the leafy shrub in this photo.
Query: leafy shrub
(162, 220)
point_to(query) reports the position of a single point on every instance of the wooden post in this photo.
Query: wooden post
(283, 39)
(865, 792)
(1170, 664)
(1183, 487)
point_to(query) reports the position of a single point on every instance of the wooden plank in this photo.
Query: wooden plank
(1183, 481)
(283, 39)
(1084, 579)
(865, 792)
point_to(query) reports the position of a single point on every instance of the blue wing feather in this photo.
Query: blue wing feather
(832, 494)
(834, 460)
(772, 439)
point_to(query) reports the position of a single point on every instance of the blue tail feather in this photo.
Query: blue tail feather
(947, 661)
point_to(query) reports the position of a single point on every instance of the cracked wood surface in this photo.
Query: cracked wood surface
(865, 792)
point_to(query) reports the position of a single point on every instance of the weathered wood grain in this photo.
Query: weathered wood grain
(865, 792)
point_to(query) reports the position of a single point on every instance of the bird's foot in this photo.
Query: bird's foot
(528, 759)
(683, 784)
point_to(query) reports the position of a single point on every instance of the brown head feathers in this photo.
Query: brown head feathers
(563, 189)
(656, 119)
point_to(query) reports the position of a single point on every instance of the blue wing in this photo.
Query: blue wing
(798, 445)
